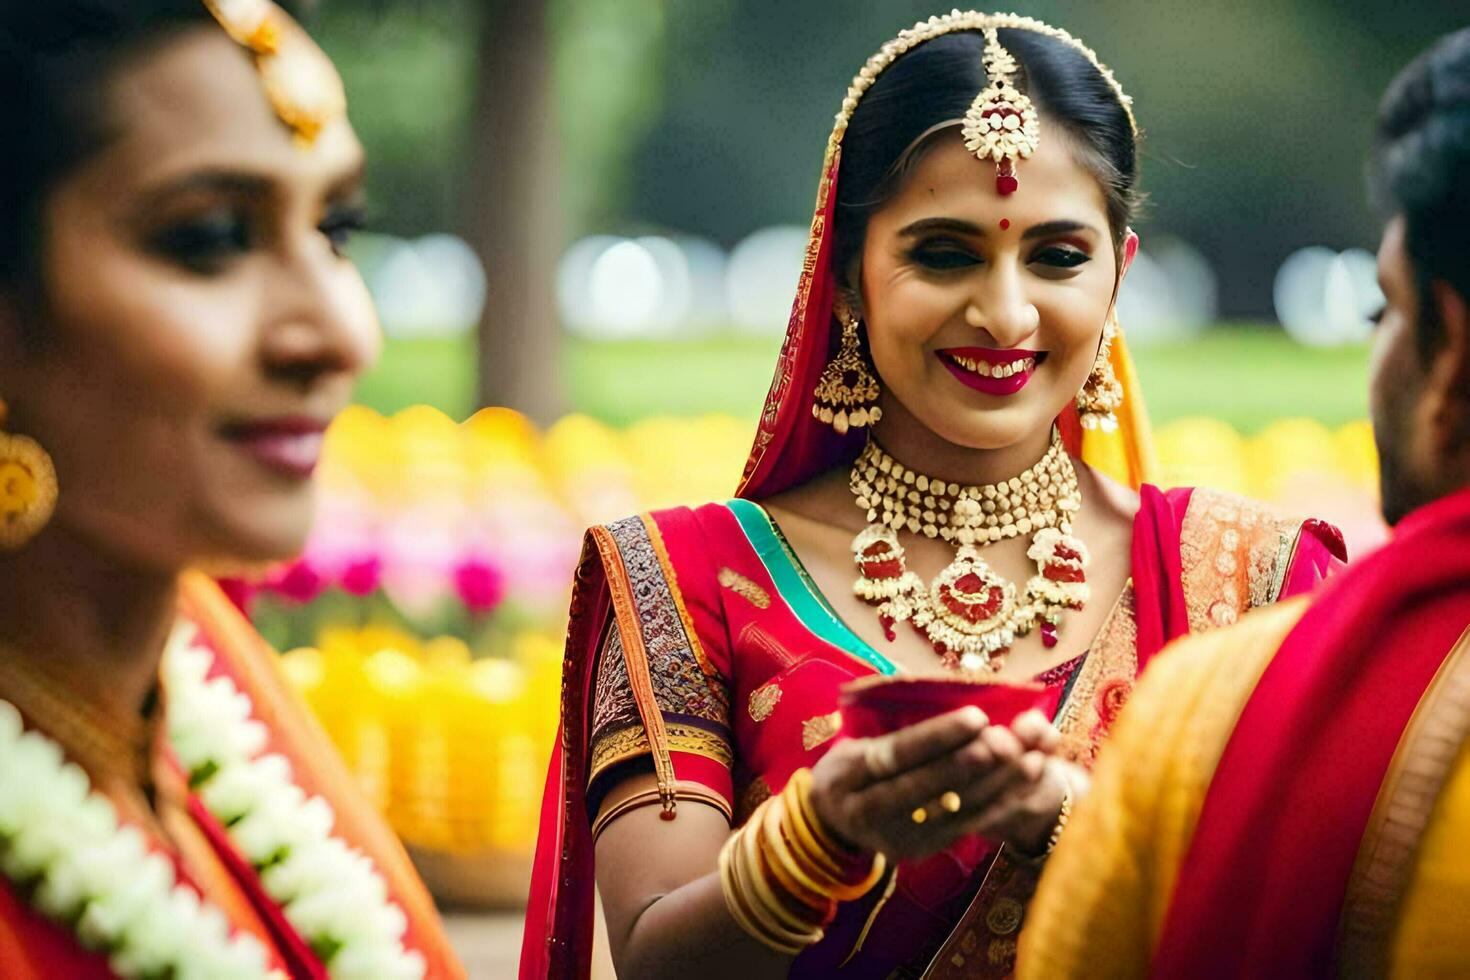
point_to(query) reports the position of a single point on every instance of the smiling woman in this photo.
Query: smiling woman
(954, 423)
(178, 327)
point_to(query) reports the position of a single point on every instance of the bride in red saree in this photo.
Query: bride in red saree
(952, 364)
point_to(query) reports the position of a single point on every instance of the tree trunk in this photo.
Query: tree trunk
(512, 214)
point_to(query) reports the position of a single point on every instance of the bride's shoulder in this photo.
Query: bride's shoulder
(1248, 553)
(684, 538)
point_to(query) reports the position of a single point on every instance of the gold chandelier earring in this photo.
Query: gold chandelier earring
(1101, 394)
(846, 396)
(27, 488)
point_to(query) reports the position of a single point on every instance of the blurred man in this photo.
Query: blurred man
(1291, 797)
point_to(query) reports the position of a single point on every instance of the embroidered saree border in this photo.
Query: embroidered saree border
(1236, 555)
(632, 742)
(1421, 765)
(796, 588)
(625, 614)
(1112, 659)
(654, 631)
(985, 945)
(787, 359)
(661, 552)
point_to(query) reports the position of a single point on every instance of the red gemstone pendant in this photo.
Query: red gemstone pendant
(1049, 635)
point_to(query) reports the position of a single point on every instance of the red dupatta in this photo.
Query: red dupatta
(1261, 890)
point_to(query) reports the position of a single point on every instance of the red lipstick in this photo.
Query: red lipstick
(289, 445)
(993, 372)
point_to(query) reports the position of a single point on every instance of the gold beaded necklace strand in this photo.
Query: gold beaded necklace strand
(970, 614)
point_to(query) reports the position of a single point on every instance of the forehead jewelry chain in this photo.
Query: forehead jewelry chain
(1002, 124)
(300, 81)
(970, 613)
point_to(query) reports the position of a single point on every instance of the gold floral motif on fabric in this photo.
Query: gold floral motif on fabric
(1235, 554)
(818, 730)
(745, 588)
(1005, 916)
(763, 701)
(1103, 681)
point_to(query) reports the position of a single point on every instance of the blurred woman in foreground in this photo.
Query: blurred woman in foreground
(178, 326)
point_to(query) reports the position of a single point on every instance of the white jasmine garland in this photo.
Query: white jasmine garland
(64, 845)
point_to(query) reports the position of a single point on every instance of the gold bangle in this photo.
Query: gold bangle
(1062, 816)
(775, 920)
(735, 902)
(782, 919)
(806, 841)
(801, 788)
(787, 869)
(851, 881)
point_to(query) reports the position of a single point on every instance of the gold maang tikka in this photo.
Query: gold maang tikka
(1002, 124)
(300, 81)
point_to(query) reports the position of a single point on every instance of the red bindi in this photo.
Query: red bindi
(1005, 223)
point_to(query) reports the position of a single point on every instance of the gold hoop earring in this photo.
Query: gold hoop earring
(1101, 395)
(847, 393)
(28, 488)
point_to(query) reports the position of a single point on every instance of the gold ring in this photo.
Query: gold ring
(879, 759)
(919, 815)
(950, 801)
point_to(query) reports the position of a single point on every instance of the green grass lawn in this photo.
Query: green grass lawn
(1247, 376)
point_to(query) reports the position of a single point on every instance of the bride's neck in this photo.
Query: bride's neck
(919, 448)
(100, 622)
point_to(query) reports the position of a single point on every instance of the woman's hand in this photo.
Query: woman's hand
(1027, 814)
(915, 791)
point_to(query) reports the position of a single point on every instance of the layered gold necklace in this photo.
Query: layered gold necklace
(970, 613)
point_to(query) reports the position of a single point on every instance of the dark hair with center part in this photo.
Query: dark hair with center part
(1421, 169)
(937, 82)
(56, 60)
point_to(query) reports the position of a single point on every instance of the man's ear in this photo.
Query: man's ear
(1449, 371)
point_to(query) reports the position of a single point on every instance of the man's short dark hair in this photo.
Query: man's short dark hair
(1421, 169)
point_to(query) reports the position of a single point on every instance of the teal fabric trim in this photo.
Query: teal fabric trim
(797, 588)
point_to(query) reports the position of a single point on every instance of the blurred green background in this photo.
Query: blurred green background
(523, 127)
(1244, 374)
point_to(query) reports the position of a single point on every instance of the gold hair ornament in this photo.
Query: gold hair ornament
(300, 81)
(1001, 91)
(1002, 124)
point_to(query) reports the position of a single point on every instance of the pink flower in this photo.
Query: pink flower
(362, 576)
(298, 581)
(480, 585)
